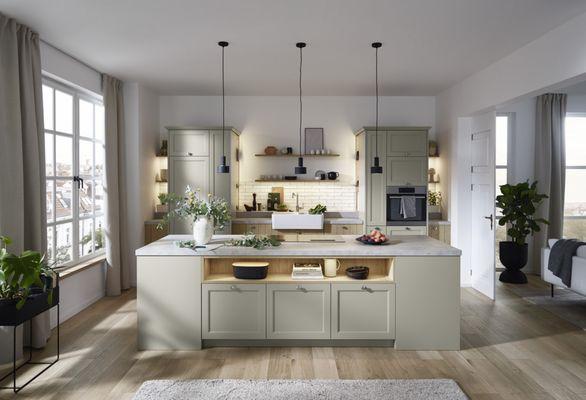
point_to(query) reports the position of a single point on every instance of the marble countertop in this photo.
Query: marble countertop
(398, 246)
(268, 221)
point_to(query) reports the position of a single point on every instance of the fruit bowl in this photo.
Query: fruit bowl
(375, 238)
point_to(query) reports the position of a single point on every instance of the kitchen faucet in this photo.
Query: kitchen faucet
(296, 196)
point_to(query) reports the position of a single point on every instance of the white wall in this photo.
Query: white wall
(274, 120)
(554, 60)
(576, 103)
(142, 140)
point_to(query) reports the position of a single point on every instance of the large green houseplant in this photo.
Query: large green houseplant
(518, 204)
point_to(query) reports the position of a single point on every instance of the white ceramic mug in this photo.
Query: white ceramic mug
(331, 266)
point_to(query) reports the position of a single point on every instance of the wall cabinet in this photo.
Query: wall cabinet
(235, 311)
(376, 205)
(189, 143)
(406, 171)
(363, 311)
(407, 143)
(298, 311)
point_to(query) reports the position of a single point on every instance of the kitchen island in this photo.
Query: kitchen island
(189, 299)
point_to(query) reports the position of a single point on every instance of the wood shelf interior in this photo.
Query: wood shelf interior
(219, 270)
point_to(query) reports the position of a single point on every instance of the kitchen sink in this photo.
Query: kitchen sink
(294, 220)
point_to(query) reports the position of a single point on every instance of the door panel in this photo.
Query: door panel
(407, 171)
(407, 143)
(233, 311)
(189, 143)
(363, 311)
(298, 311)
(376, 207)
(482, 167)
(188, 171)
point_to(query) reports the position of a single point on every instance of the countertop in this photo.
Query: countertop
(398, 246)
(268, 221)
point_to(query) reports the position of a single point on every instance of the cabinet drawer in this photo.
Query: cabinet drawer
(406, 230)
(236, 311)
(407, 143)
(189, 143)
(347, 229)
(363, 311)
(408, 171)
(298, 311)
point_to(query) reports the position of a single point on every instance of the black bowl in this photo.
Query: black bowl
(357, 272)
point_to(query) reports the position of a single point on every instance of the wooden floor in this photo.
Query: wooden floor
(511, 349)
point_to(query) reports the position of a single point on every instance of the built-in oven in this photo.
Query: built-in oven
(406, 205)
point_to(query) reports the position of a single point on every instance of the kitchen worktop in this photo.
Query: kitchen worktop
(398, 246)
(264, 218)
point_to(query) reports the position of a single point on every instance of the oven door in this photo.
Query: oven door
(394, 216)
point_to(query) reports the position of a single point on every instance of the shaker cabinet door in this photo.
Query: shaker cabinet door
(189, 143)
(363, 311)
(407, 143)
(236, 311)
(298, 311)
(406, 171)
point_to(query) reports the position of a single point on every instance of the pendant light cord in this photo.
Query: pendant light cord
(223, 108)
(300, 100)
(376, 84)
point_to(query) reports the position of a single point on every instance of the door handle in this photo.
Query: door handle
(491, 221)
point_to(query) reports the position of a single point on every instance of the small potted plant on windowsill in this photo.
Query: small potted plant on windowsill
(518, 204)
(207, 214)
(27, 284)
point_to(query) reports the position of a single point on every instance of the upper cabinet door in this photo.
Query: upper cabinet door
(189, 143)
(221, 182)
(407, 143)
(406, 171)
(376, 195)
(188, 171)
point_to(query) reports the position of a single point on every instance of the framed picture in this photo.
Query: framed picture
(314, 139)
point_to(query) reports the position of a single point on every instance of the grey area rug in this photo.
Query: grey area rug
(399, 389)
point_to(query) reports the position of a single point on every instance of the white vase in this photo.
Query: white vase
(203, 230)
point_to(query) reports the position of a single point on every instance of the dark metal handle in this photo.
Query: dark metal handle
(491, 221)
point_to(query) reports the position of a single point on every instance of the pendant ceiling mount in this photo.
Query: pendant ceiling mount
(223, 168)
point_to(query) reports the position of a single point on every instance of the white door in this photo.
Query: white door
(482, 131)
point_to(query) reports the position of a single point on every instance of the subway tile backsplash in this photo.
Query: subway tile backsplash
(336, 196)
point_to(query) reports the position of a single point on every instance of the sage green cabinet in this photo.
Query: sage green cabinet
(376, 207)
(363, 311)
(189, 143)
(298, 311)
(407, 143)
(406, 171)
(235, 311)
(406, 230)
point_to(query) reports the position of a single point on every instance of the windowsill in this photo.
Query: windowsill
(68, 271)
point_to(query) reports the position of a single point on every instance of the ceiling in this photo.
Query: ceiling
(171, 46)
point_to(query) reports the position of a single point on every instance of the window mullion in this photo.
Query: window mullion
(75, 205)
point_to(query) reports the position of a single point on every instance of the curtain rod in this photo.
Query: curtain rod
(70, 56)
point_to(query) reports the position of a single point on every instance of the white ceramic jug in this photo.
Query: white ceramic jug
(331, 266)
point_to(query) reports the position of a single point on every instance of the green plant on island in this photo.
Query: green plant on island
(518, 204)
(258, 242)
(192, 205)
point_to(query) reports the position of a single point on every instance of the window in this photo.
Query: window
(575, 200)
(74, 162)
(502, 137)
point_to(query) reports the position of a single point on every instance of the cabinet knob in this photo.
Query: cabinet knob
(407, 228)
(366, 289)
(301, 288)
(233, 287)
(189, 153)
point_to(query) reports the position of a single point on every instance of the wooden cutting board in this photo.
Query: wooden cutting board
(279, 190)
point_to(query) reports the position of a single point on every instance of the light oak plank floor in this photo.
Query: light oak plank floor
(511, 350)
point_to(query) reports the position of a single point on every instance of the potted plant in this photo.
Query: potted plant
(26, 283)
(434, 201)
(518, 204)
(207, 213)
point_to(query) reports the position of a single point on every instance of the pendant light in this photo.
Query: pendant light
(300, 169)
(223, 168)
(376, 168)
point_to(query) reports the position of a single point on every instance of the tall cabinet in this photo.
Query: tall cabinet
(403, 154)
(194, 154)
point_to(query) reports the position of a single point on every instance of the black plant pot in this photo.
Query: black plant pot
(514, 257)
(36, 303)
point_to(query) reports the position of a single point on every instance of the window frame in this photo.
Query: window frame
(576, 167)
(75, 218)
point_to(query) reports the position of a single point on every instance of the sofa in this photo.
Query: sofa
(578, 270)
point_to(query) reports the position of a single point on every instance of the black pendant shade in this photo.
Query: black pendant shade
(376, 168)
(300, 169)
(223, 168)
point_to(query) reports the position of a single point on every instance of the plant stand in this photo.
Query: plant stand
(31, 309)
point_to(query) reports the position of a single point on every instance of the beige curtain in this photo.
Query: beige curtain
(22, 147)
(117, 249)
(550, 166)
